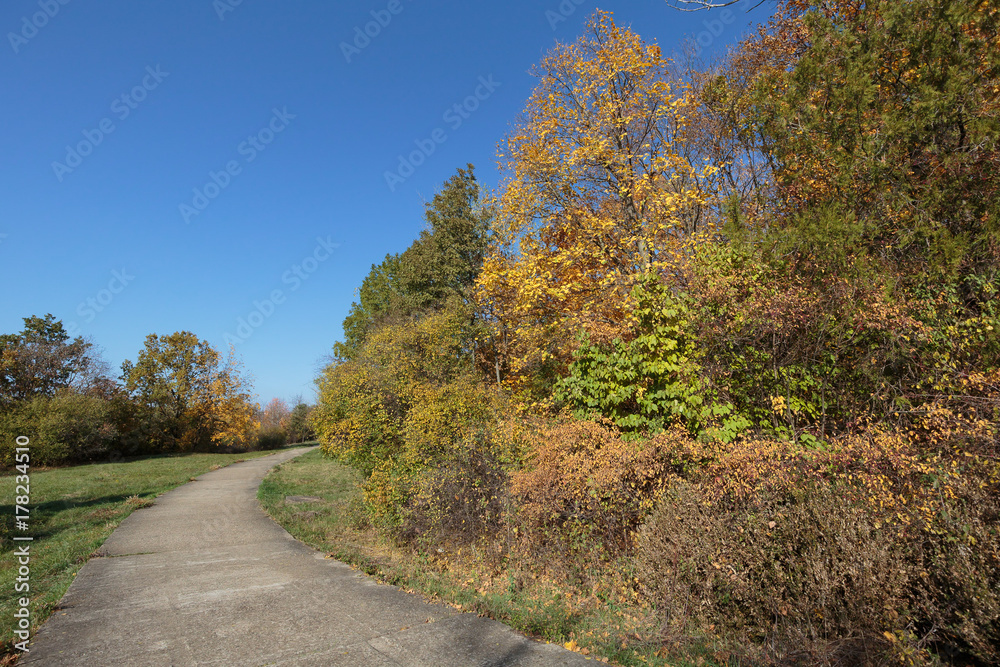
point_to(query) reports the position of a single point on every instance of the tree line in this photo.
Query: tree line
(179, 395)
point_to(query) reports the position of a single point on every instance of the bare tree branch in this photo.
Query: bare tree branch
(698, 5)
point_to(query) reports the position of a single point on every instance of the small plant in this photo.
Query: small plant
(138, 502)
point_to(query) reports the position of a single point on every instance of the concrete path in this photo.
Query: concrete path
(204, 577)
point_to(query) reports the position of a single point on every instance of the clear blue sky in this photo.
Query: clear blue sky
(97, 235)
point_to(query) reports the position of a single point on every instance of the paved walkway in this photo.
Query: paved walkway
(204, 577)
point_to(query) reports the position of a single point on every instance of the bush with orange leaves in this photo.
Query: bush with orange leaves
(868, 547)
(582, 476)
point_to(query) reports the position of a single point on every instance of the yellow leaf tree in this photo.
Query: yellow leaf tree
(186, 397)
(596, 195)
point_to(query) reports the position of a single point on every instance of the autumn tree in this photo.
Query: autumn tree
(41, 360)
(275, 414)
(231, 403)
(727, 122)
(189, 396)
(595, 194)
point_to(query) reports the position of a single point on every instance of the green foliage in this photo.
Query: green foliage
(170, 373)
(404, 394)
(441, 265)
(273, 437)
(299, 425)
(364, 402)
(890, 117)
(65, 427)
(645, 384)
(41, 360)
(443, 262)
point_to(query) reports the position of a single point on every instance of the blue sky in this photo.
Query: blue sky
(184, 164)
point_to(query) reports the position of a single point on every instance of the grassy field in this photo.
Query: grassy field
(73, 510)
(595, 624)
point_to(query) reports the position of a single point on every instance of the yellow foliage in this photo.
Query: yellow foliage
(596, 195)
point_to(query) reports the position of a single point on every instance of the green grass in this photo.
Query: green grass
(73, 510)
(335, 524)
(547, 610)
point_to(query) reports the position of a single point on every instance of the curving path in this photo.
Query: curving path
(204, 577)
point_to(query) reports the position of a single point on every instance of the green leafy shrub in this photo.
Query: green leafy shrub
(645, 384)
(65, 428)
(272, 438)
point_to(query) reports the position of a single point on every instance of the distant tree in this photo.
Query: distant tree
(188, 397)
(299, 427)
(41, 360)
(275, 414)
(232, 405)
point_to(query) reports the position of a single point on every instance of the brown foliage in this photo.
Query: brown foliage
(584, 474)
(890, 553)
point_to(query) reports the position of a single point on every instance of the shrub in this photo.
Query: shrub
(643, 384)
(273, 437)
(816, 566)
(365, 402)
(584, 475)
(831, 563)
(65, 428)
(447, 445)
(464, 497)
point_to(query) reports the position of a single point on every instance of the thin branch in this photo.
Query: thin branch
(698, 5)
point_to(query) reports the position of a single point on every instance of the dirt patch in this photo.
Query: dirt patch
(291, 500)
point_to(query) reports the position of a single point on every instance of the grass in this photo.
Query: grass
(72, 511)
(596, 622)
